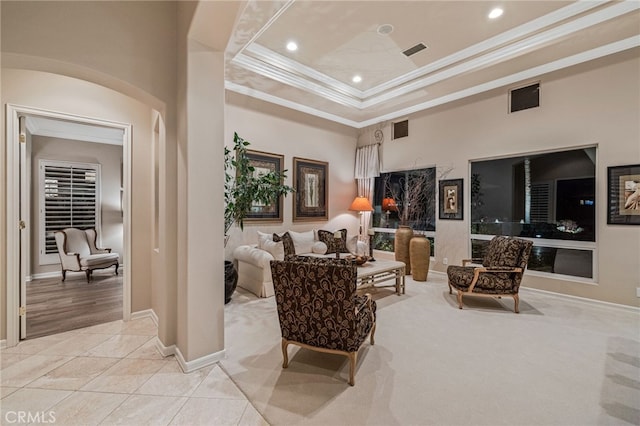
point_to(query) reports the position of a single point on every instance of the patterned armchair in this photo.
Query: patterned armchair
(502, 267)
(318, 307)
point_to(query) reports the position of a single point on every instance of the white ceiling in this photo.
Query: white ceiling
(467, 53)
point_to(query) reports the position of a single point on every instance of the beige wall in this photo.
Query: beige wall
(45, 36)
(110, 159)
(63, 94)
(279, 131)
(597, 103)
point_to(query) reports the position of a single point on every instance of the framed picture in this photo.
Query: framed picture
(264, 162)
(623, 200)
(310, 180)
(450, 200)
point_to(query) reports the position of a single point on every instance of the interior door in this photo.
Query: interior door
(24, 226)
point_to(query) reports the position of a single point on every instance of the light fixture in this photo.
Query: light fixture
(356, 79)
(361, 204)
(292, 46)
(388, 205)
(495, 13)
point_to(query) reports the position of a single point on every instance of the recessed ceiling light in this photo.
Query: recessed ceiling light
(356, 79)
(495, 13)
(292, 46)
(385, 29)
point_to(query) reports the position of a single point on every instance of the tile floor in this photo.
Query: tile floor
(112, 374)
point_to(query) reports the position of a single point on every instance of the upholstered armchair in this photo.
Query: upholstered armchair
(502, 268)
(78, 252)
(318, 307)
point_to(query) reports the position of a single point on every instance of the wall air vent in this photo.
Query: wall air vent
(524, 98)
(400, 129)
(415, 49)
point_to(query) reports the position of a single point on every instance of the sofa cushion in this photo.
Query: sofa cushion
(98, 260)
(276, 248)
(319, 248)
(287, 242)
(334, 244)
(303, 241)
(262, 237)
(503, 252)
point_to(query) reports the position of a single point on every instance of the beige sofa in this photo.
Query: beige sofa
(254, 261)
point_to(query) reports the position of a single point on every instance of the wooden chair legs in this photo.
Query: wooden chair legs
(285, 356)
(516, 300)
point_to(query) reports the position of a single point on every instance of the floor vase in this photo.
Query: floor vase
(401, 246)
(420, 255)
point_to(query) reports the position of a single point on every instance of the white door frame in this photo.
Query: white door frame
(13, 208)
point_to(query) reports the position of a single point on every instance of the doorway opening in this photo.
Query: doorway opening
(65, 171)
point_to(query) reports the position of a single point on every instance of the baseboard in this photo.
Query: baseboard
(584, 299)
(3, 344)
(196, 364)
(44, 275)
(165, 351)
(147, 313)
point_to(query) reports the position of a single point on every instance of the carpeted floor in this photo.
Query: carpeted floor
(559, 362)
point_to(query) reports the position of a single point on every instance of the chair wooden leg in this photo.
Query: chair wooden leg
(450, 292)
(88, 272)
(459, 299)
(516, 302)
(285, 362)
(64, 274)
(353, 357)
(117, 265)
(373, 332)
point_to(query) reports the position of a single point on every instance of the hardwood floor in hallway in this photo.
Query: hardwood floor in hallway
(54, 306)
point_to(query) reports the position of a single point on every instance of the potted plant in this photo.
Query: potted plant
(243, 187)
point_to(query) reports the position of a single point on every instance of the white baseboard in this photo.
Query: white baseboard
(165, 351)
(147, 313)
(584, 299)
(44, 275)
(196, 364)
(3, 344)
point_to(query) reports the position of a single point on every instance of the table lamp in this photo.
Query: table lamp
(388, 205)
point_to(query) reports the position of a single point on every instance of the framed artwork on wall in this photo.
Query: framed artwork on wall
(623, 197)
(263, 163)
(450, 200)
(310, 180)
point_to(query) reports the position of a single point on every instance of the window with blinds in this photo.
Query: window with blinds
(69, 197)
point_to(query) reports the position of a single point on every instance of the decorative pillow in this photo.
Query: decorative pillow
(334, 245)
(303, 241)
(262, 237)
(352, 245)
(275, 248)
(319, 248)
(287, 242)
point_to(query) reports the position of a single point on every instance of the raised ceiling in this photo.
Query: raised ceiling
(466, 51)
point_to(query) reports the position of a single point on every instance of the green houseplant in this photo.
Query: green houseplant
(242, 188)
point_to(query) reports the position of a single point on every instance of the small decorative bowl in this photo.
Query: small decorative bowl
(358, 260)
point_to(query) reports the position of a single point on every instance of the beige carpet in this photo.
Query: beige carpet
(559, 362)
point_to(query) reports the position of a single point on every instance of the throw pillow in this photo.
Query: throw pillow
(275, 248)
(334, 245)
(287, 242)
(303, 241)
(262, 237)
(319, 248)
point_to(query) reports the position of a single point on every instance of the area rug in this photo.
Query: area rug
(559, 362)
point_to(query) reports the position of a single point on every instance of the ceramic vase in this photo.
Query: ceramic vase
(420, 255)
(401, 246)
(230, 280)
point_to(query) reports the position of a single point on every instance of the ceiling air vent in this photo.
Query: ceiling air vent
(415, 49)
(524, 98)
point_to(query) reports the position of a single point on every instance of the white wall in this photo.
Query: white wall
(280, 131)
(596, 103)
(110, 159)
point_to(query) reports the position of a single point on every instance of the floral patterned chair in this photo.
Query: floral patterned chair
(502, 267)
(318, 307)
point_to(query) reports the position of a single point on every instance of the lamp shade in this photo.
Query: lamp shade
(361, 204)
(389, 204)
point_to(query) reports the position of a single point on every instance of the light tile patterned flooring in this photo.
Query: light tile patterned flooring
(112, 374)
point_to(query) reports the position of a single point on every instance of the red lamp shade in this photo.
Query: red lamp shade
(389, 205)
(361, 204)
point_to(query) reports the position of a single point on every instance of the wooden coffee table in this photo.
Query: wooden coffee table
(371, 274)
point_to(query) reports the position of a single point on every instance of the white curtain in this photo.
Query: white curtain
(367, 168)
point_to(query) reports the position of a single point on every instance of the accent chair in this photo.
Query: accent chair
(318, 307)
(78, 252)
(502, 268)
